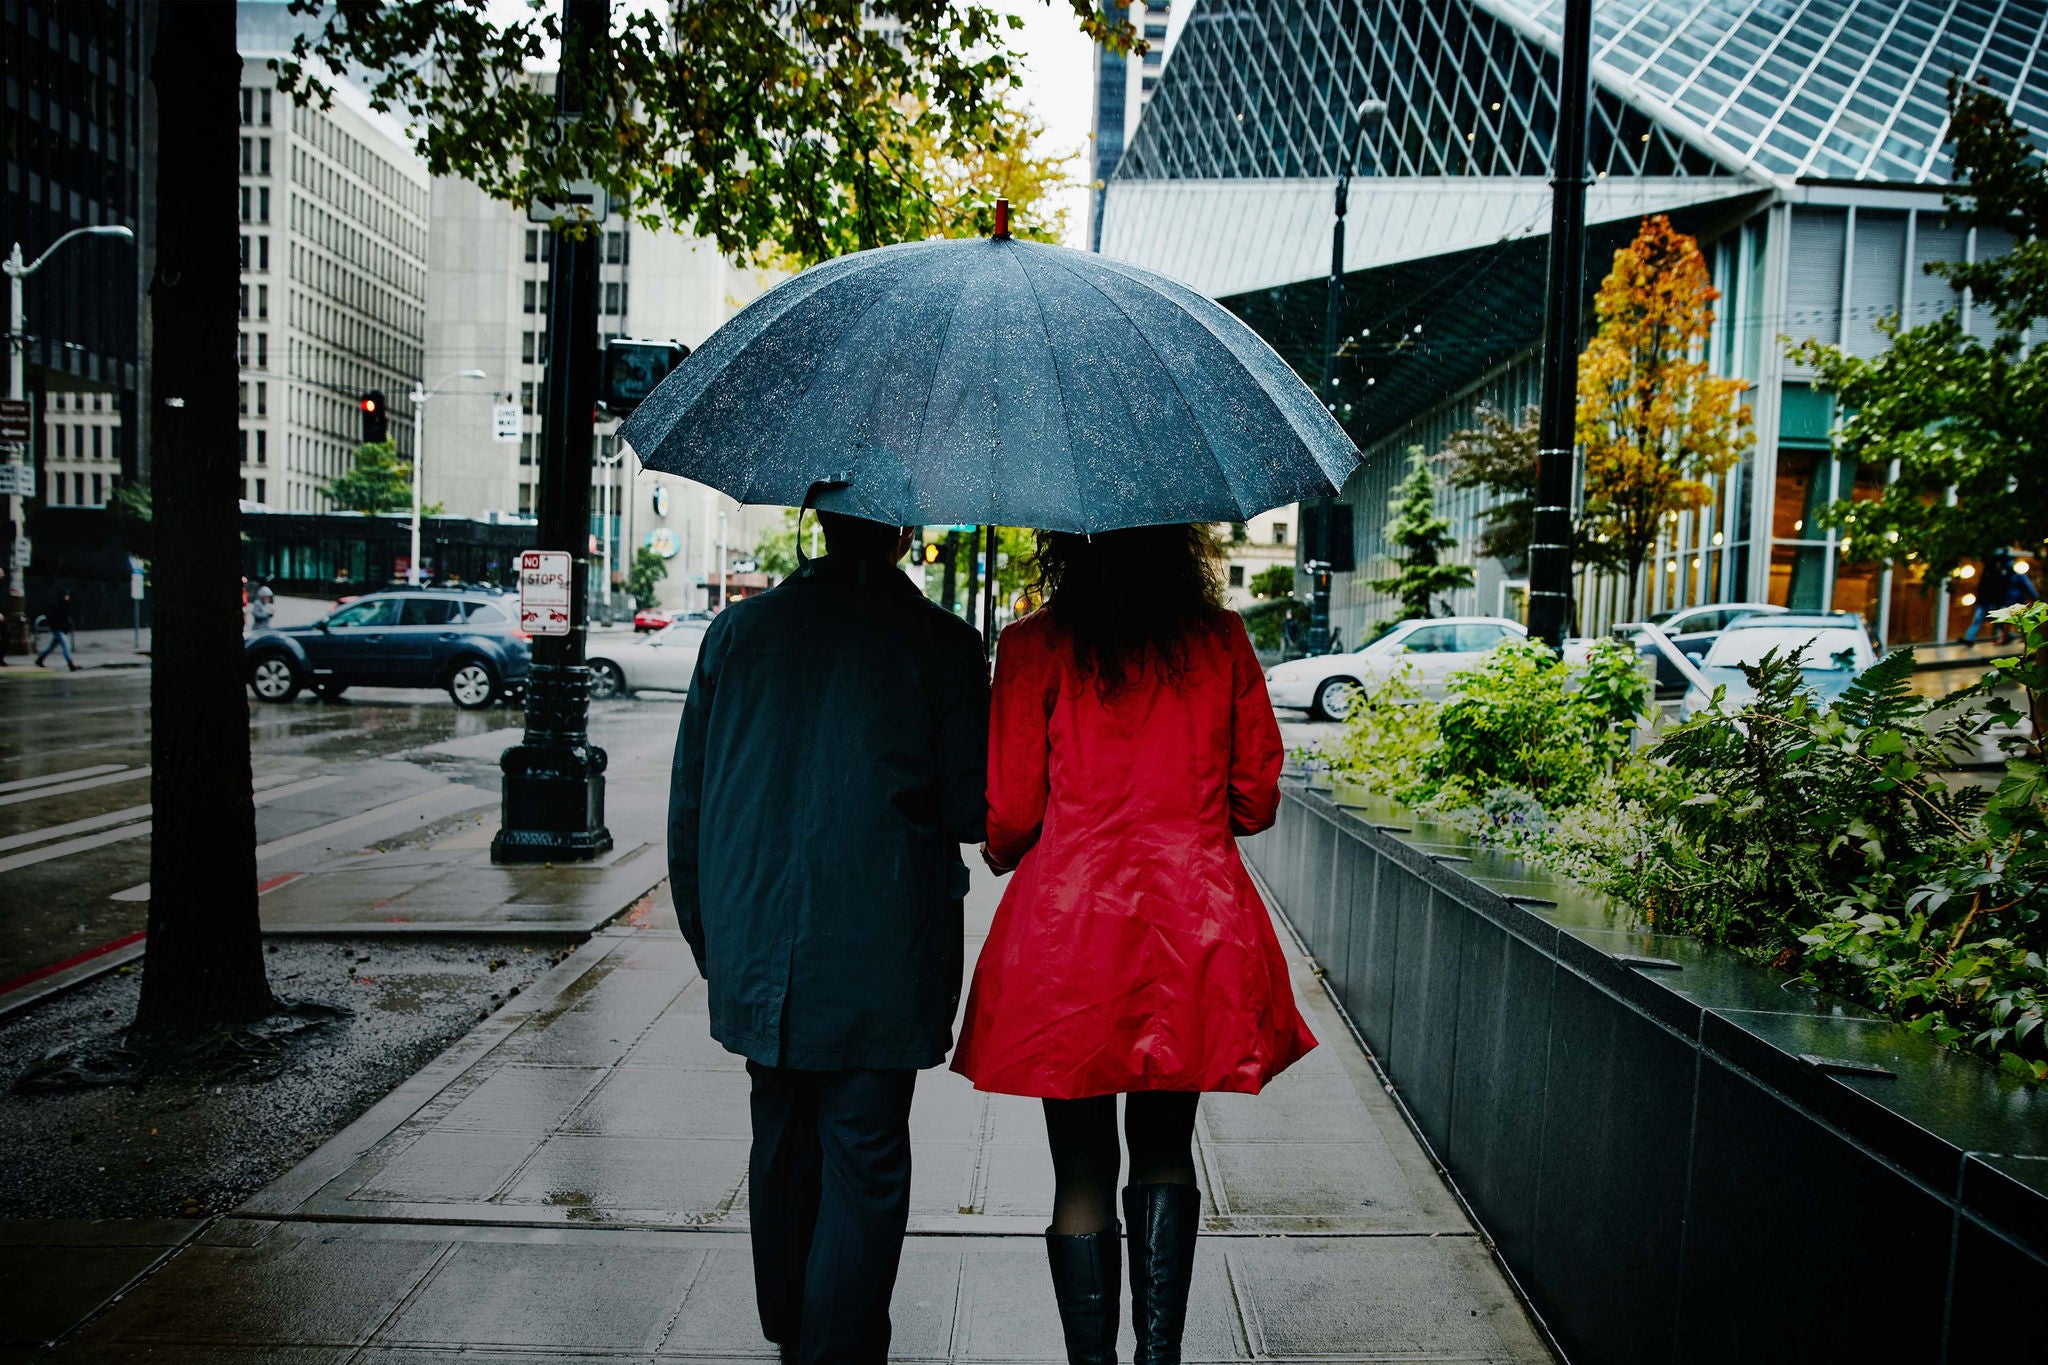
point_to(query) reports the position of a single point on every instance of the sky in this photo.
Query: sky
(1059, 63)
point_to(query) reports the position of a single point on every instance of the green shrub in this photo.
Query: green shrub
(1820, 839)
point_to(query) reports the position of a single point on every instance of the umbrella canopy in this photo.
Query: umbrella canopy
(993, 382)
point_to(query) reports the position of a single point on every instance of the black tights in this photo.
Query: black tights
(1159, 1126)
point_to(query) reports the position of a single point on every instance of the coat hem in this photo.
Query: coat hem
(765, 1052)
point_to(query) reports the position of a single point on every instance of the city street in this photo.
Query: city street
(373, 815)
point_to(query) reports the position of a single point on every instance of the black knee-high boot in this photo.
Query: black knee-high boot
(1084, 1281)
(1163, 1220)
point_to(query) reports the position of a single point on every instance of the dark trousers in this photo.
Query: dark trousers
(829, 1187)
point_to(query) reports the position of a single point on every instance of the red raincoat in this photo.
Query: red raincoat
(1130, 951)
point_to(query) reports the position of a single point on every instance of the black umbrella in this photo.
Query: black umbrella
(993, 382)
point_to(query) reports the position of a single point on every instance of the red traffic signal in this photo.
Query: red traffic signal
(376, 426)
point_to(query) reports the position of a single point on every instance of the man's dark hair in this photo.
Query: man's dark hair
(858, 538)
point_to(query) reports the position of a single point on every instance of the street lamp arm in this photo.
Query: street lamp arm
(37, 264)
(420, 395)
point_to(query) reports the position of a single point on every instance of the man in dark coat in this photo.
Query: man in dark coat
(832, 761)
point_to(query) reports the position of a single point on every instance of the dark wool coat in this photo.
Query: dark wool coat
(831, 763)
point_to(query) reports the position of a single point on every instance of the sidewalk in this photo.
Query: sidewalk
(90, 648)
(569, 1181)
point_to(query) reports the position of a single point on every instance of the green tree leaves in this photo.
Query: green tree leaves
(1420, 538)
(377, 481)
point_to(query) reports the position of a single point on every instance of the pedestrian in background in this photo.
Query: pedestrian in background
(830, 765)
(1130, 742)
(58, 618)
(263, 607)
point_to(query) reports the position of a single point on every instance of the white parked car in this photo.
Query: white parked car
(1432, 649)
(1832, 649)
(661, 661)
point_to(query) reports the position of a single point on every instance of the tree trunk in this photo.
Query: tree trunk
(205, 964)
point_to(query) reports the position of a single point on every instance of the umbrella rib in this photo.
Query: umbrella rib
(1307, 439)
(1194, 418)
(1052, 356)
(938, 358)
(805, 398)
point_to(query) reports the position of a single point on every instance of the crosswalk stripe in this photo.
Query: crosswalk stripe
(84, 784)
(23, 783)
(274, 788)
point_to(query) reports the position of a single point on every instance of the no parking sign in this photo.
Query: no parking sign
(544, 592)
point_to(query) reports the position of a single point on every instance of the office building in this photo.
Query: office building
(334, 275)
(1123, 86)
(1799, 140)
(76, 148)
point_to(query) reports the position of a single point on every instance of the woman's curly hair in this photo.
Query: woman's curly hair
(1130, 599)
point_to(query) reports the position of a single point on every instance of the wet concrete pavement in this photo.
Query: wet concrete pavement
(567, 1183)
(374, 815)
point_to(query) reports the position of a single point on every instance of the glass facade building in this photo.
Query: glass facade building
(1799, 140)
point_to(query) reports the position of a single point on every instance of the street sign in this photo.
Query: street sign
(17, 481)
(585, 202)
(544, 592)
(14, 421)
(664, 542)
(505, 423)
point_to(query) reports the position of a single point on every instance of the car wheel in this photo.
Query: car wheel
(607, 680)
(272, 677)
(473, 684)
(1335, 698)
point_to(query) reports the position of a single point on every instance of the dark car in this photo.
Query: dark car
(464, 639)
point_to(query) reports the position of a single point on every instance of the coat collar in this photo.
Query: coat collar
(857, 573)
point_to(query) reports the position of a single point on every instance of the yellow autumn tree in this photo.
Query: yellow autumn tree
(1655, 424)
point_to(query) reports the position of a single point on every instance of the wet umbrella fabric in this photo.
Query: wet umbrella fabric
(993, 382)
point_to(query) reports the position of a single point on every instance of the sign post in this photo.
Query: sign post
(554, 777)
(16, 419)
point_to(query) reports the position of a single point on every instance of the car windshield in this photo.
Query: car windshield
(372, 611)
(1824, 650)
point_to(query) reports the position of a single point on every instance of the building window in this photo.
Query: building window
(264, 117)
(242, 350)
(1279, 533)
(529, 303)
(263, 301)
(525, 499)
(526, 444)
(245, 203)
(262, 400)
(242, 301)
(1237, 575)
(263, 350)
(1145, 86)
(533, 244)
(262, 492)
(262, 447)
(98, 489)
(248, 155)
(78, 490)
(57, 489)
(263, 252)
(526, 397)
(244, 408)
(248, 105)
(263, 155)
(245, 251)
(97, 449)
(611, 297)
(263, 204)
(526, 348)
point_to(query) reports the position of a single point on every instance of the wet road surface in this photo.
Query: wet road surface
(331, 778)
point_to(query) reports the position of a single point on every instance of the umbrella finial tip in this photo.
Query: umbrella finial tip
(1002, 232)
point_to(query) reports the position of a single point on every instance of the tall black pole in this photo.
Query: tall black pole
(1316, 546)
(554, 777)
(1550, 548)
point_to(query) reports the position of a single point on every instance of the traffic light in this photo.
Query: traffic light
(633, 369)
(376, 425)
(931, 552)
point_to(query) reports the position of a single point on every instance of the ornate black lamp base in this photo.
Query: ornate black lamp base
(554, 777)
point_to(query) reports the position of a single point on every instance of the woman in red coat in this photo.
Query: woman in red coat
(1130, 742)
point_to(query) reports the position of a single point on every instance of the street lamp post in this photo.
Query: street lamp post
(1319, 549)
(18, 270)
(419, 450)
